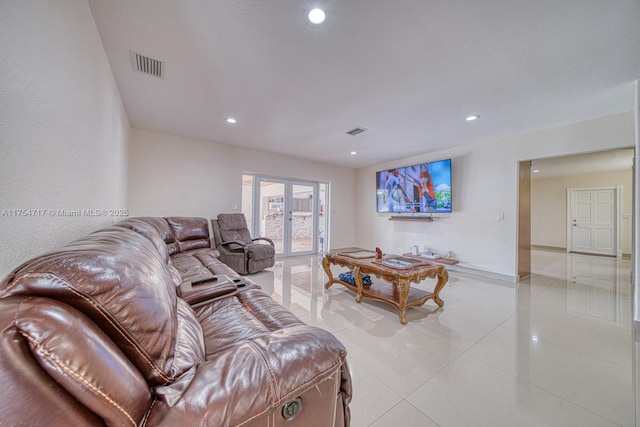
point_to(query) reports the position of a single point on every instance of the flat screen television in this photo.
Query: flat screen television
(421, 188)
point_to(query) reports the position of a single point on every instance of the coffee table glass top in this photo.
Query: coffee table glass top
(358, 254)
(401, 262)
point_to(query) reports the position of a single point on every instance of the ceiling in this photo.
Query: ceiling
(583, 164)
(408, 71)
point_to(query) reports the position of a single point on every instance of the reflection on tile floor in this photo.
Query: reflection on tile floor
(554, 350)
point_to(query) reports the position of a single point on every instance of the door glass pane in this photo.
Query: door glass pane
(302, 235)
(272, 213)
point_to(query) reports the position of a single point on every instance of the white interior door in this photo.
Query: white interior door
(593, 216)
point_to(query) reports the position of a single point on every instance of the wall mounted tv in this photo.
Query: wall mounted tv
(421, 188)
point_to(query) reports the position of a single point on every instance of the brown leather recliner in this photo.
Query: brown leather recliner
(238, 250)
(113, 329)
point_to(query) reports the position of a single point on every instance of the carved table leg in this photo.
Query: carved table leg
(327, 269)
(403, 290)
(357, 275)
(442, 280)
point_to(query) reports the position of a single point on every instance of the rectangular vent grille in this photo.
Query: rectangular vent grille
(147, 65)
(355, 131)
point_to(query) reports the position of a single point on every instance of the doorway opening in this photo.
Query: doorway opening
(543, 205)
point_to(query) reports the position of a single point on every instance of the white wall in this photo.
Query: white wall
(63, 129)
(549, 206)
(484, 182)
(171, 175)
(635, 265)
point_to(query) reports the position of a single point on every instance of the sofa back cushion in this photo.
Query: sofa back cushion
(190, 232)
(116, 278)
(149, 226)
(155, 229)
(234, 227)
(80, 358)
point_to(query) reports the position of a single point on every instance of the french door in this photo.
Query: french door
(287, 213)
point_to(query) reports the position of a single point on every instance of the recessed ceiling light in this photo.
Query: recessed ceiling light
(471, 118)
(231, 120)
(316, 16)
(353, 153)
(355, 131)
(536, 170)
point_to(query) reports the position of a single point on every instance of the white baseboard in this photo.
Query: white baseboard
(481, 273)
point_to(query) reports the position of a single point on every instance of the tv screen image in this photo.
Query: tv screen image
(421, 188)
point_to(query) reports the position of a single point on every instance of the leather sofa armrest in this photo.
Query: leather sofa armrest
(197, 292)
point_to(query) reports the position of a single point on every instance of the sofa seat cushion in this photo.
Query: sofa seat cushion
(260, 251)
(210, 258)
(243, 317)
(201, 263)
(194, 244)
(189, 267)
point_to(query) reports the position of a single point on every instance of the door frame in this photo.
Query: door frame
(523, 251)
(617, 194)
(288, 183)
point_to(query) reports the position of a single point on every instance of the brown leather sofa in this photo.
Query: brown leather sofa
(112, 329)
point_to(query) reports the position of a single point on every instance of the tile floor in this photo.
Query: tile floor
(554, 350)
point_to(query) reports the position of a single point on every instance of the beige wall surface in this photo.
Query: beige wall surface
(63, 129)
(65, 138)
(171, 175)
(549, 206)
(484, 183)
(635, 264)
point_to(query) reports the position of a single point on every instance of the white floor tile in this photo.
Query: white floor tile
(603, 388)
(403, 358)
(552, 350)
(371, 397)
(471, 393)
(404, 415)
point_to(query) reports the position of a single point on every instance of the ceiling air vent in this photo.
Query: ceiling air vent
(355, 131)
(147, 65)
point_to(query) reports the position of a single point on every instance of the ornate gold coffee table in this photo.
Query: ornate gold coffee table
(399, 271)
